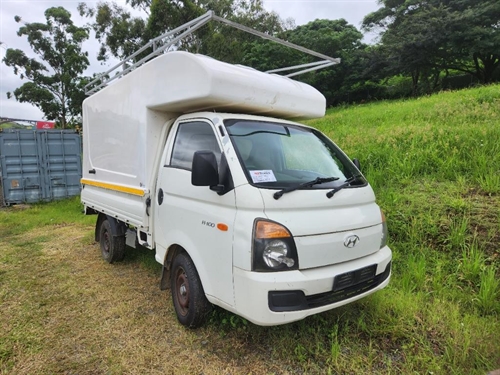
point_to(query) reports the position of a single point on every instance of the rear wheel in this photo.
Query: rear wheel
(112, 247)
(190, 303)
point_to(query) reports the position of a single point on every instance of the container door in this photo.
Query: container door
(194, 217)
(61, 161)
(22, 177)
(39, 165)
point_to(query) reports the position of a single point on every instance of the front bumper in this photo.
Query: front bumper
(273, 298)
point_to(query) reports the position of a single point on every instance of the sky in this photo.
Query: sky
(302, 11)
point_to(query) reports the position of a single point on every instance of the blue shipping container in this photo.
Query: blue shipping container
(39, 165)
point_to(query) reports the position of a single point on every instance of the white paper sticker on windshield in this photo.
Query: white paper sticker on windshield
(263, 176)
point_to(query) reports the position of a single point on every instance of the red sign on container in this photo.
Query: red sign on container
(45, 125)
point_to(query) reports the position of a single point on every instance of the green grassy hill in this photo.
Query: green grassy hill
(434, 163)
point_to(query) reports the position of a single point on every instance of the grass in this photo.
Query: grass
(434, 164)
(13, 125)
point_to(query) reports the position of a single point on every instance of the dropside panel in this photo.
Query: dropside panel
(129, 208)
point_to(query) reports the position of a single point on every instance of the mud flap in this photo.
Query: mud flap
(165, 274)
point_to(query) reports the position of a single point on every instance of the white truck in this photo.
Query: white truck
(264, 217)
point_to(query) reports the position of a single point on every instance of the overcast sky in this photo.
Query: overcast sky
(32, 11)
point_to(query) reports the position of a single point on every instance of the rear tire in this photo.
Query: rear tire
(190, 303)
(112, 247)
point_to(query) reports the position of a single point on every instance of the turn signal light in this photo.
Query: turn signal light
(266, 229)
(222, 227)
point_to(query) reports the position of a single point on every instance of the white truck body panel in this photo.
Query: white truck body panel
(123, 124)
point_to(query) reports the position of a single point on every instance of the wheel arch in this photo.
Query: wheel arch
(118, 228)
(175, 249)
(172, 251)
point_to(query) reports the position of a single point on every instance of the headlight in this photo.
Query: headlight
(275, 253)
(385, 232)
(273, 248)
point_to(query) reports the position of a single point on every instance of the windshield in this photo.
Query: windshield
(278, 155)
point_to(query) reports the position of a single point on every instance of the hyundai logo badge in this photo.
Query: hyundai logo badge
(351, 241)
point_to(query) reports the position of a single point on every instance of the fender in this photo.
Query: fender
(181, 242)
(118, 228)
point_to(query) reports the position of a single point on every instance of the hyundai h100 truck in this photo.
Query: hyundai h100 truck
(197, 160)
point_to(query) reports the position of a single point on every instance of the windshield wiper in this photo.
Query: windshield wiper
(347, 182)
(319, 180)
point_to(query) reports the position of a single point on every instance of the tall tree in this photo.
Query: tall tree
(335, 38)
(414, 45)
(54, 83)
(477, 35)
(121, 34)
(421, 38)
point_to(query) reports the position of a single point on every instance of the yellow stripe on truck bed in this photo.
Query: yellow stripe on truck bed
(115, 187)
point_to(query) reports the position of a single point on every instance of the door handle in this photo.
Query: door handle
(160, 197)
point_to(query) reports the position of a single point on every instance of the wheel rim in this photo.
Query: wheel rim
(106, 243)
(182, 291)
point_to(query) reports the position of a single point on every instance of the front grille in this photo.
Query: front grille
(354, 277)
(327, 298)
(353, 284)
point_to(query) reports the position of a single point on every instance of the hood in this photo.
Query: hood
(328, 231)
(310, 212)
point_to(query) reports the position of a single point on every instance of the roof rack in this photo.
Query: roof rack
(162, 44)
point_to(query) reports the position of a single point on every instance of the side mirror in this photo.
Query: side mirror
(204, 169)
(356, 163)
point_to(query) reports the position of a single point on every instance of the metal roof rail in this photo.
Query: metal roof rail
(167, 40)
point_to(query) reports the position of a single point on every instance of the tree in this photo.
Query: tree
(55, 84)
(336, 38)
(414, 45)
(423, 38)
(121, 34)
(477, 36)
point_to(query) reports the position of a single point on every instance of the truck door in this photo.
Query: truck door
(194, 217)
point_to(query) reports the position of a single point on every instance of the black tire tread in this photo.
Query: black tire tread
(117, 244)
(199, 307)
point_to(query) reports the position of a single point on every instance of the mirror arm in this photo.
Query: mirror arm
(357, 164)
(219, 189)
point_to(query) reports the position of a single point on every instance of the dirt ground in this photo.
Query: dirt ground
(66, 311)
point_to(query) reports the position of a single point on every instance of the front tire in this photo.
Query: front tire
(190, 303)
(112, 247)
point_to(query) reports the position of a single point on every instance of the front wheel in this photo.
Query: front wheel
(112, 247)
(190, 303)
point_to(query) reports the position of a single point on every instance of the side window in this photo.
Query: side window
(191, 137)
